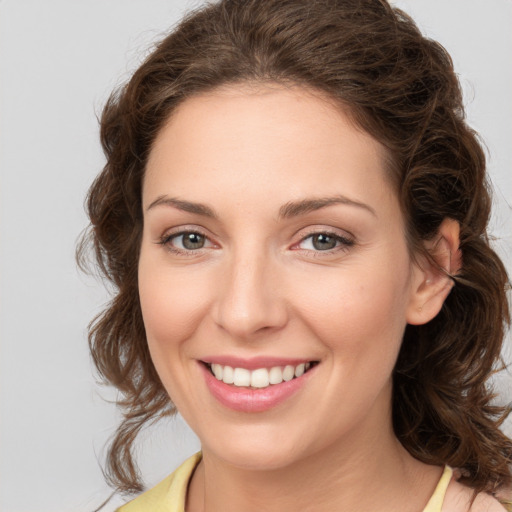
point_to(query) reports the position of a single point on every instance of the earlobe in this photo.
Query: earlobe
(433, 277)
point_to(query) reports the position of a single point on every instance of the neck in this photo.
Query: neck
(357, 474)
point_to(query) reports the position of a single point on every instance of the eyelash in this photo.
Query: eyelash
(166, 239)
(343, 243)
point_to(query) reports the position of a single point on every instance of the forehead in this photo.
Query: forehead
(260, 139)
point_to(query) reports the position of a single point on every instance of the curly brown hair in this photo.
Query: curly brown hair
(401, 88)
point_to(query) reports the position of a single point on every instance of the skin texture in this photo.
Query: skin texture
(460, 498)
(259, 287)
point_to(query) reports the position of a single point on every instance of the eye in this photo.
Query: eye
(319, 242)
(185, 241)
(324, 241)
(189, 241)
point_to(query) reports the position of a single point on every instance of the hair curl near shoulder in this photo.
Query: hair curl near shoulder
(401, 88)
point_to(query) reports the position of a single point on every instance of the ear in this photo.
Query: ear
(432, 280)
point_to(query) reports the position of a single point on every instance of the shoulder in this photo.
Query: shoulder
(459, 498)
(167, 496)
(486, 503)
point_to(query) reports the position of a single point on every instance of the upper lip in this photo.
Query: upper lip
(254, 363)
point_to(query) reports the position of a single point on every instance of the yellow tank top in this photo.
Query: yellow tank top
(170, 494)
(435, 502)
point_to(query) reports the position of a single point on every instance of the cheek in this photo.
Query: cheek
(172, 302)
(360, 325)
(360, 314)
(172, 305)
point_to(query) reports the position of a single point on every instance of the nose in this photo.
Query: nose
(250, 300)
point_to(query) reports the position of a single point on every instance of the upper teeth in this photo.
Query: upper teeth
(259, 378)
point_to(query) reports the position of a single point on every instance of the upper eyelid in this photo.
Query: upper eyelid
(177, 234)
(328, 230)
(166, 242)
(168, 235)
(343, 240)
(180, 230)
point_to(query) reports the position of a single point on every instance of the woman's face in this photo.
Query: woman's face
(273, 244)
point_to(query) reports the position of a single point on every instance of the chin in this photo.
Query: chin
(251, 459)
(255, 451)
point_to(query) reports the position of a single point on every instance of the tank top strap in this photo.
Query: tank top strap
(436, 501)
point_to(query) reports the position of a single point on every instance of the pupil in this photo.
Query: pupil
(324, 242)
(193, 241)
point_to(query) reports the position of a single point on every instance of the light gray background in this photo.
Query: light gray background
(59, 59)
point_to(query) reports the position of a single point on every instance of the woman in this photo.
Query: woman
(293, 213)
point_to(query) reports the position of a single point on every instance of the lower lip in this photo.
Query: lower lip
(252, 400)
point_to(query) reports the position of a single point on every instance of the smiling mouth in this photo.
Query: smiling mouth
(259, 378)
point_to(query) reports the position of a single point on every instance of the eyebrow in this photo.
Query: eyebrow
(296, 208)
(287, 211)
(186, 206)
